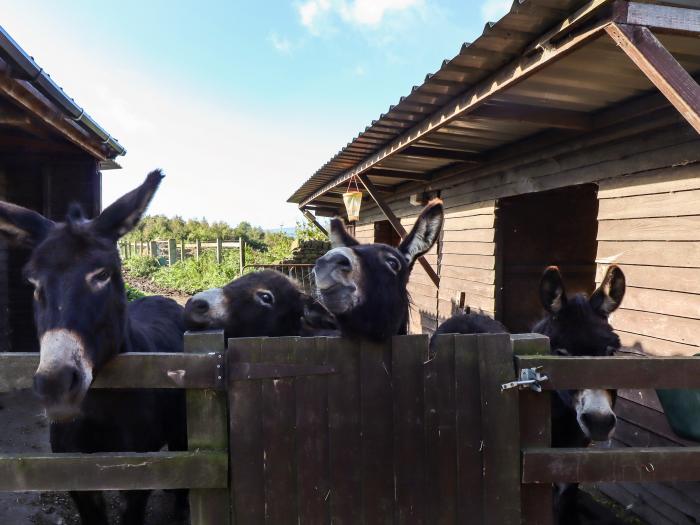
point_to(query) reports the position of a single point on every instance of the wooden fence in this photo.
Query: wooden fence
(323, 430)
(172, 250)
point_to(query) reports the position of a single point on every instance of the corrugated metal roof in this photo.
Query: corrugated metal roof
(590, 78)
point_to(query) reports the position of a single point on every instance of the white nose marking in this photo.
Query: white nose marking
(61, 347)
(216, 300)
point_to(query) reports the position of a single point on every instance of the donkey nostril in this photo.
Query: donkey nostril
(75, 381)
(200, 306)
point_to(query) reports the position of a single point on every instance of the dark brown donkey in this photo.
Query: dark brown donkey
(266, 303)
(364, 285)
(83, 320)
(576, 326)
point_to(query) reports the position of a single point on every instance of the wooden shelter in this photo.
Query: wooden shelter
(566, 134)
(51, 154)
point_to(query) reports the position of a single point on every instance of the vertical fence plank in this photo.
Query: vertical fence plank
(197, 249)
(154, 249)
(207, 429)
(377, 432)
(279, 435)
(501, 428)
(219, 250)
(469, 435)
(345, 449)
(241, 253)
(246, 436)
(182, 249)
(537, 506)
(440, 433)
(312, 433)
(408, 355)
(172, 252)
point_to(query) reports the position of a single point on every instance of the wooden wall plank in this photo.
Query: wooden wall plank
(660, 205)
(654, 229)
(660, 278)
(664, 180)
(655, 346)
(650, 253)
(663, 302)
(676, 329)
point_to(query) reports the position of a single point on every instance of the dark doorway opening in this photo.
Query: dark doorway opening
(557, 227)
(385, 233)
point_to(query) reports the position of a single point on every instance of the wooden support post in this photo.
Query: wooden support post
(661, 68)
(207, 429)
(197, 248)
(182, 249)
(219, 250)
(309, 216)
(154, 249)
(241, 256)
(535, 432)
(172, 252)
(396, 224)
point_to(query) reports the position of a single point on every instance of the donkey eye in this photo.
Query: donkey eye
(103, 275)
(266, 298)
(393, 264)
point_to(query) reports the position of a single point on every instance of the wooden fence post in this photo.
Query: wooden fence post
(172, 252)
(207, 429)
(219, 250)
(154, 249)
(535, 431)
(241, 244)
(197, 249)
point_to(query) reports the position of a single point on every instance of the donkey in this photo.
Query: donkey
(576, 326)
(364, 286)
(83, 320)
(266, 303)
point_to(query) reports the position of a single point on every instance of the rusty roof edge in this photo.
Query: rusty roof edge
(518, 8)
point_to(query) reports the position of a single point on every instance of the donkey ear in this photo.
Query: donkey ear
(22, 227)
(607, 298)
(340, 236)
(552, 292)
(425, 231)
(120, 217)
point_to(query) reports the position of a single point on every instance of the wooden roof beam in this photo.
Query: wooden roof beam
(551, 118)
(397, 174)
(439, 153)
(661, 68)
(312, 220)
(660, 18)
(396, 224)
(514, 73)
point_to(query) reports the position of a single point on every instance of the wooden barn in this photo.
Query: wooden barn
(567, 134)
(51, 154)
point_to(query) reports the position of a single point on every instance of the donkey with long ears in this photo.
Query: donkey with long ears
(83, 320)
(364, 285)
(259, 304)
(576, 326)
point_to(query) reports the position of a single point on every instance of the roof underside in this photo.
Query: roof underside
(566, 93)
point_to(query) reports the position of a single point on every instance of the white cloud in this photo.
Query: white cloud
(318, 16)
(492, 10)
(280, 43)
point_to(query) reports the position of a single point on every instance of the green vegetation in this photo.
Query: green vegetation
(191, 275)
(132, 293)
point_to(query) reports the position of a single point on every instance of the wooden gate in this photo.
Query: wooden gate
(329, 430)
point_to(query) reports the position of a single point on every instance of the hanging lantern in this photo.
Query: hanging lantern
(353, 200)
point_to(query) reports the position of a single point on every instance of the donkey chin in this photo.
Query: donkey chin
(595, 415)
(64, 374)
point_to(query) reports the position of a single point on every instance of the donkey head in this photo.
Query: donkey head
(79, 298)
(364, 286)
(578, 326)
(265, 303)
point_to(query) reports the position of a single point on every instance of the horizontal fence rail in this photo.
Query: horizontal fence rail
(132, 370)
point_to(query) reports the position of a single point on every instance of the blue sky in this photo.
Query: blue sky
(239, 102)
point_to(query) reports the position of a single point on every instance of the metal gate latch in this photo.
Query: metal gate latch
(529, 378)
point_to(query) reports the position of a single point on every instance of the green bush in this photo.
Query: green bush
(132, 293)
(191, 275)
(142, 265)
